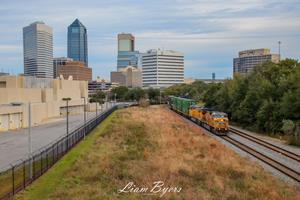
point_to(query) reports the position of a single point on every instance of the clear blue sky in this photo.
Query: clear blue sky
(209, 32)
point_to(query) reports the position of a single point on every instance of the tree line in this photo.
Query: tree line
(123, 93)
(267, 100)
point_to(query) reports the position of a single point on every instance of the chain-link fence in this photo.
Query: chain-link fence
(20, 175)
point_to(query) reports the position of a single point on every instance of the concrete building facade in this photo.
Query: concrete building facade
(129, 77)
(45, 96)
(248, 59)
(75, 69)
(162, 68)
(38, 50)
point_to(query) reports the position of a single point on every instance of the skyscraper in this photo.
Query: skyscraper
(127, 56)
(248, 59)
(38, 50)
(162, 68)
(77, 42)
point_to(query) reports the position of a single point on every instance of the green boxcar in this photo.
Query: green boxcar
(181, 104)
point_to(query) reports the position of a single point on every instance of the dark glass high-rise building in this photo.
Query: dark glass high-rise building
(77, 42)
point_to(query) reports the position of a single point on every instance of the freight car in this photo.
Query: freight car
(214, 121)
(181, 105)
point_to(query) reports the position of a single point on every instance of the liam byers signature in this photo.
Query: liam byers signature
(158, 188)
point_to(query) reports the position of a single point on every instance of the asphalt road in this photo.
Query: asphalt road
(14, 144)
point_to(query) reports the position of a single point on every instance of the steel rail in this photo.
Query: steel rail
(273, 163)
(293, 174)
(266, 144)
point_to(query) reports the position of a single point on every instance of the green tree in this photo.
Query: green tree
(153, 95)
(135, 94)
(98, 97)
(120, 92)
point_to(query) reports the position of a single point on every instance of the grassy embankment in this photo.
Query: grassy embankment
(144, 145)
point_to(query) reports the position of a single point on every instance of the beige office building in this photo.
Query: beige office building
(129, 77)
(248, 59)
(45, 96)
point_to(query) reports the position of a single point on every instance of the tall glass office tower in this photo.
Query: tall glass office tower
(38, 50)
(77, 42)
(126, 54)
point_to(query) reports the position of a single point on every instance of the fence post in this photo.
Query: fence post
(13, 179)
(24, 175)
(41, 155)
(52, 154)
(47, 159)
(33, 163)
(58, 154)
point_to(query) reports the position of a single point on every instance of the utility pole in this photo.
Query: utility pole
(279, 43)
(29, 140)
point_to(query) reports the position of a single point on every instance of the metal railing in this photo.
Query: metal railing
(18, 176)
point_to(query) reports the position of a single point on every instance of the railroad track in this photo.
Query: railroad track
(273, 163)
(293, 174)
(268, 145)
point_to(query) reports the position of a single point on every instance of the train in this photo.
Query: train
(214, 121)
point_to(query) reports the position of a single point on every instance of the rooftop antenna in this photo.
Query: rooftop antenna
(279, 43)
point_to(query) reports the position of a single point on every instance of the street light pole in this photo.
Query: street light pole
(67, 110)
(106, 102)
(96, 109)
(29, 140)
(84, 114)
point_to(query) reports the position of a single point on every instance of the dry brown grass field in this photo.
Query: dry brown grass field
(144, 145)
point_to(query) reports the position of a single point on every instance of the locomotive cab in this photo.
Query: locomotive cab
(219, 123)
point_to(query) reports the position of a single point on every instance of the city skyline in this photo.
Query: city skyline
(209, 33)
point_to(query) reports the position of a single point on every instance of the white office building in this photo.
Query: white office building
(162, 68)
(38, 50)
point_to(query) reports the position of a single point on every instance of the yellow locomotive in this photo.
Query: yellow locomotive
(216, 122)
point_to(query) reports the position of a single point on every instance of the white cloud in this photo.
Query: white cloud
(209, 32)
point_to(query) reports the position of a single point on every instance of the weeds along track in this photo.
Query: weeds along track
(266, 144)
(293, 174)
